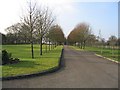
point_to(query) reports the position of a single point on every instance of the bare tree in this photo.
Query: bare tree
(84, 32)
(43, 24)
(29, 21)
(24, 34)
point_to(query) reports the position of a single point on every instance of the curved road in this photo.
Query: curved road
(82, 70)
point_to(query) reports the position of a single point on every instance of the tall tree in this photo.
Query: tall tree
(29, 21)
(73, 37)
(13, 33)
(80, 34)
(24, 34)
(56, 35)
(43, 24)
(84, 33)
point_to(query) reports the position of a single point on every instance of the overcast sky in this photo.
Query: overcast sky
(100, 15)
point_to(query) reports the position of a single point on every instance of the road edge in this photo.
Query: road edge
(107, 58)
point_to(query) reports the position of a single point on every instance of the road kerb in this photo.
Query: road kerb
(107, 58)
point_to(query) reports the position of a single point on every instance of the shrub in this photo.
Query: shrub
(7, 58)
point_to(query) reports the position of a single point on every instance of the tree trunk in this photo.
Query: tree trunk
(49, 45)
(40, 45)
(84, 45)
(55, 44)
(81, 45)
(46, 47)
(112, 50)
(101, 49)
(32, 52)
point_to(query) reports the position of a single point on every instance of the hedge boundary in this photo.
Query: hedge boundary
(51, 70)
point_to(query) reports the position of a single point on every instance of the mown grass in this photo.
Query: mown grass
(105, 52)
(27, 65)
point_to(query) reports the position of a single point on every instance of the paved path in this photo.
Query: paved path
(82, 70)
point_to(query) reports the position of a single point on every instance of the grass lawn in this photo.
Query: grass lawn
(27, 65)
(105, 52)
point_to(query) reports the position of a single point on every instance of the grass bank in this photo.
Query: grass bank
(105, 52)
(27, 65)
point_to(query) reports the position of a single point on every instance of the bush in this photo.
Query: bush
(6, 58)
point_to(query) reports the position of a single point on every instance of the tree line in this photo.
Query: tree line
(82, 36)
(37, 26)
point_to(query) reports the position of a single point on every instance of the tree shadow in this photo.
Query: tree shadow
(27, 64)
(24, 64)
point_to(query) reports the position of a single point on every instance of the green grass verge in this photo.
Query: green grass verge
(27, 65)
(105, 52)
